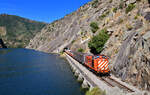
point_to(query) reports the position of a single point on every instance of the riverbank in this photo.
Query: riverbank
(2, 45)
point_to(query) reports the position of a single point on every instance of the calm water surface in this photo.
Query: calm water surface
(29, 72)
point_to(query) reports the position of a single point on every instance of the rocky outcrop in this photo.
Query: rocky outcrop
(2, 45)
(132, 62)
(127, 22)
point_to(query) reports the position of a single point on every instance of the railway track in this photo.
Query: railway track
(114, 83)
(108, 83)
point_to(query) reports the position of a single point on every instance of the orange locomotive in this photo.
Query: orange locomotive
(98, 63)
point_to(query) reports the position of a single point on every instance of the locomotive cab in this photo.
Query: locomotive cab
(102, 64)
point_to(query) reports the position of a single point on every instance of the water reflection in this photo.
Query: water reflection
(5, 51)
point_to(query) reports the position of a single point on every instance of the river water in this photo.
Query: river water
(29, 72)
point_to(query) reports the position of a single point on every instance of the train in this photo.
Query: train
(96, 63)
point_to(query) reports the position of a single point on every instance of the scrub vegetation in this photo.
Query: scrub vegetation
(94, 27)
(97, 43)
(129, 8)
(80, 50)
(96, 91)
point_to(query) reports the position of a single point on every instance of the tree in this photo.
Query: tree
(94, 27)
(97, 43)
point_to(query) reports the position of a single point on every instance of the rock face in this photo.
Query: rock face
(2, 45)
(132, 62)
(127, 23)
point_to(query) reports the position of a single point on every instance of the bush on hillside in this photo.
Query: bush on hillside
(115, 9)
(94, 27)
(110, 1)
(95, 4)
(129, 27)
(97, 43)
(129, 8)
(136, 17)
(96, 91)
(121, 4)
(104, 15)
(72, 41)
(80, 50)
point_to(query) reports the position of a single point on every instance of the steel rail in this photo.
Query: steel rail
(113, 82)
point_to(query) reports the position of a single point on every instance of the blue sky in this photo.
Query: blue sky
(40, 10)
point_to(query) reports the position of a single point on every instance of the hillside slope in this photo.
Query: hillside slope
(17, 31)
(127, 23)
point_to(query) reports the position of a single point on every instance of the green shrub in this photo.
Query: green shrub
(110, 1)
(136, 17)
(97, 43)
(61, 53)
(121, 5)
(96, 91)
(129, 27)
(129, 8)
(104, 15)
(114, 10)
(95, 4)
(80, 50)
(94, 27)
(82, 33)
(72, 41)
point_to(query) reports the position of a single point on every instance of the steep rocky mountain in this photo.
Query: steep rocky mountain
(128, 24)
(17, 31)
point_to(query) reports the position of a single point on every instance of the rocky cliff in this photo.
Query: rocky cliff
(126, 21)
